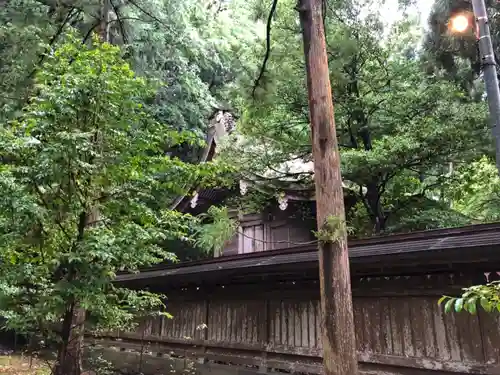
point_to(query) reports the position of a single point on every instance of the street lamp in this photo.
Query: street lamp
(460, 23)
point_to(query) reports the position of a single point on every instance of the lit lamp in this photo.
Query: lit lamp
(478, 20)
(459, 23)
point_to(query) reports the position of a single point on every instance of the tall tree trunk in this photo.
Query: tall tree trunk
(69, 358)
(339, 346)
(70, 355)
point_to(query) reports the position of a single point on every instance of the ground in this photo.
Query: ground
(18, 364)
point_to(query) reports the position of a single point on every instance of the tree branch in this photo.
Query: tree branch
(268, 46)
(120, 21)
(147, 13)
(53, 39)
(46, 205)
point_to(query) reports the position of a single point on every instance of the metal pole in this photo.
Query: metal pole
(489, 70)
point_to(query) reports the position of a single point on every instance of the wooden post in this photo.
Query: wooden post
(339, 346)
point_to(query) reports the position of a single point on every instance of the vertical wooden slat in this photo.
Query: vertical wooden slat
(241, 243)
(175, 325)
(250, 323)
(368, 328)
(255, 315)
(180, 318)
(490, 332)
(206, 319)
(244, 333)
(197, 320)
(263, 322)
(453, 336)
(429, 327)
(290, 323)
(317, 314)
(239, 311)
(236, 323)
(229, 322)
(418, 326)
(167, 326)
(272, 323)
(277, 323)
(396, 327)
(311, 325)
(212, 328)
(442, 344)
(469, 337)
(184, 322)
(248, 240)
(475, 338)
(385, 326)
(190, 324)
(405, 316)
(283, 320)
(297, 324)
(223, 321)
(259, 238)
(152, 326)
(373, 308)
(359, 324)
(304, 324)
(216, 321)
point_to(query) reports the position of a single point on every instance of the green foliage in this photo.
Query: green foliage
(220, 229)
(202, 52)
(487, 296)
(333, 229)
(398, 127)
(475, 190)
(85, 164)
(24, 36)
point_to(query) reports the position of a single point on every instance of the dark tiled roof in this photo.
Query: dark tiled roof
(421, 244)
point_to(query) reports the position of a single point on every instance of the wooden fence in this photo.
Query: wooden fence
(400, 329)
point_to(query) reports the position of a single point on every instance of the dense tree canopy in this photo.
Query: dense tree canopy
(86, 162)
(399, 128)
(98, 139)
(199, 49)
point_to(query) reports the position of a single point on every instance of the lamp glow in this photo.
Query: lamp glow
(459, 23)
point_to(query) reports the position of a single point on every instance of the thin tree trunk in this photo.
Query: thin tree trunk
(339, 347)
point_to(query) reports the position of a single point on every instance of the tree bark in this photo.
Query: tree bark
(69, 358)
(339, 347)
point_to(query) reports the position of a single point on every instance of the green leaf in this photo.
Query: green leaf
(472, 303)
(486, 305)
(442, 299)
(459, 303)
(448, 305)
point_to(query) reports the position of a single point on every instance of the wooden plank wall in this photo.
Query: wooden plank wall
(397, 327)
(276, 230)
